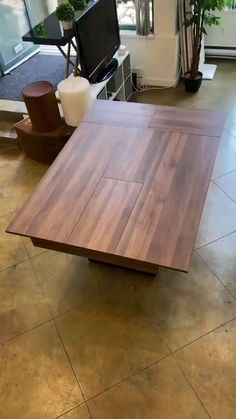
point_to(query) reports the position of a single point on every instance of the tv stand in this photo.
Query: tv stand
(107, 71)
(118, 84)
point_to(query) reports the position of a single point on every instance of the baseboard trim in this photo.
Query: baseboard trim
(161, 82)
(219, 53)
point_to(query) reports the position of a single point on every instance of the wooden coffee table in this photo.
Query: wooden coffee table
(128, 188)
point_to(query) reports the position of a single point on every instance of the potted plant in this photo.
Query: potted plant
(79, 6)
(41, 30)
(201, 16)
(65, 13)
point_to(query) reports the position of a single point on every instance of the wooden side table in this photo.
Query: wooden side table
(42, 146)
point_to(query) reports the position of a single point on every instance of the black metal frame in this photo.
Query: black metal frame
(67, 56)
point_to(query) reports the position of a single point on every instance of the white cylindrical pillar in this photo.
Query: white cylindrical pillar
(75, 97)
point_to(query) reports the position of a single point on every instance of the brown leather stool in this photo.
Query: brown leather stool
(41, 104)
(44, 133)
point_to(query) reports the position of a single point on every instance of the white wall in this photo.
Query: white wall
(158, 56)
(225, 35)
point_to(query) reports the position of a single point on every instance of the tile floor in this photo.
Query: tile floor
(79, 340)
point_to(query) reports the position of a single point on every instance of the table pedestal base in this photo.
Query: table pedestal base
(152, 273)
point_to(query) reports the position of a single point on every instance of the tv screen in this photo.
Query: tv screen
(98, 37)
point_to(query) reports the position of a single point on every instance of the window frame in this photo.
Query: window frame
(134, 27)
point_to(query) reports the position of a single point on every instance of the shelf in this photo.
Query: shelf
(97, 88)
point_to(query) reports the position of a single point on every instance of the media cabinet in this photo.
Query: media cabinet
(119, 86)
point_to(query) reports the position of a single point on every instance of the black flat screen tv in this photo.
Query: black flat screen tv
(98, 39)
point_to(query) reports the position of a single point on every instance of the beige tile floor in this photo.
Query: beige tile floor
(80, 340)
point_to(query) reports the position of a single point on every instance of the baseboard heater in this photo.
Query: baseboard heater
(220, 51)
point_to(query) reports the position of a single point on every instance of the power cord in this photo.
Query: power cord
(145, 87)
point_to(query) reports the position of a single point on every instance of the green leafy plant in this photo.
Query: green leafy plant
(41, 30)
(65, 11)
(201, 17)
(78, 4)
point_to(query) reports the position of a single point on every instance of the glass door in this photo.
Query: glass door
(14, 23)
(39, 9)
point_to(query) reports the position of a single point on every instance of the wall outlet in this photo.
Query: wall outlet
(18, 48)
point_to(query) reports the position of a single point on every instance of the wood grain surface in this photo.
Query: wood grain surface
(133, 156)
(122, 114)
(59, 200)
(163, 118)
(103, 221)
(166, 216)
(191, 121)
(128, 188)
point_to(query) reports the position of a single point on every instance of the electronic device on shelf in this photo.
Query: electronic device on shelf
(98, 36)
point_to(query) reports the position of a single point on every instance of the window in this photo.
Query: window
(232, 6)
(126, 13)
(136, 15)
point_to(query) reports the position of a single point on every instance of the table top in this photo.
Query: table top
(49, 32)
(129, 187)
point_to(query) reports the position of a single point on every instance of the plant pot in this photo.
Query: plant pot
(78, 13)
(192, 85)
(67, 24)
